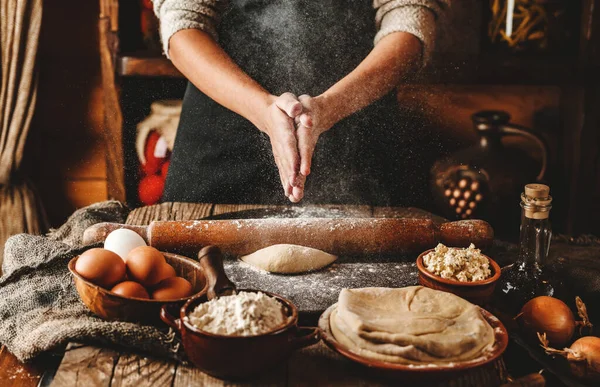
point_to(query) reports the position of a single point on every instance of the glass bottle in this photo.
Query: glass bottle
(530, 276)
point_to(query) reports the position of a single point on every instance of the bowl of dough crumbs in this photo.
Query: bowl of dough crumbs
(461, 271)
(241, 335)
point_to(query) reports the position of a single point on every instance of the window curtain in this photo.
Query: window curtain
(20, 208)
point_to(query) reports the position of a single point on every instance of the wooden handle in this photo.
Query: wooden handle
(211, 260)
(464, 232)
(350, 236)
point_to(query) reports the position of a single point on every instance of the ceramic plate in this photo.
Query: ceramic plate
(415, 371)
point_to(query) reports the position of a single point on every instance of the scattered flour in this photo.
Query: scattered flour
(243, 314)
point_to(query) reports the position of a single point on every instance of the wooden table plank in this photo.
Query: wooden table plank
(15, 373)
(191, 376)
(86, 366)
(144, 215)
(357, 211)
(190, 211)
(139, 371)
(169, 211)
(313, 366)
(319, 366)
(219, 209)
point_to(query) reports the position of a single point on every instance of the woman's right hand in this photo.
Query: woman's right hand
(278, 124)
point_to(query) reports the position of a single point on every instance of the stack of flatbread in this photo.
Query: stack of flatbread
(412, 325)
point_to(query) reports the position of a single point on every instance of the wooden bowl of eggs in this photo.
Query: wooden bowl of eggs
(134, 286)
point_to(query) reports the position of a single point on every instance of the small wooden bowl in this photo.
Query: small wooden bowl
(111, 306)
(477, 292)
(419, 375)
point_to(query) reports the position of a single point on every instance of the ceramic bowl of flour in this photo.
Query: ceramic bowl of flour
(240, 353)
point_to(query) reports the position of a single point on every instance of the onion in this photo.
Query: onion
(583, 356)
(550, 316)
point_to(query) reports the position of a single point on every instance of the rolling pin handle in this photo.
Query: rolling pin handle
(211, 260)
(462, 233)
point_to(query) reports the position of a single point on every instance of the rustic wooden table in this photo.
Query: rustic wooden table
(85, 365)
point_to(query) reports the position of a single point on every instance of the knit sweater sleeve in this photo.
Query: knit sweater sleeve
(177, 15)
(417, 17)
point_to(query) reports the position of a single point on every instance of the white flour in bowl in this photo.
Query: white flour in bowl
(243, 314)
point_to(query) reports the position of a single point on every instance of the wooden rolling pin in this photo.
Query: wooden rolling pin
(340, 236)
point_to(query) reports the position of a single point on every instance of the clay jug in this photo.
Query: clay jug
(483, 181)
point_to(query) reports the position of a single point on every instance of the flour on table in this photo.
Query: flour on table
(243, 314)
(289, 259)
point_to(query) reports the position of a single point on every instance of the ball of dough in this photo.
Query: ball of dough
(289, 259)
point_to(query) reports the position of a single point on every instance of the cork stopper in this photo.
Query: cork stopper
(537, 191)
(536, 201)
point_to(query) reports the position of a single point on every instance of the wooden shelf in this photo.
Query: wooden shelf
(487, 69)
(504, 69)
(146, 65)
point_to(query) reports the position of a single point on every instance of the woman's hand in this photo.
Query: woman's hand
(315, 119)
(278, 124)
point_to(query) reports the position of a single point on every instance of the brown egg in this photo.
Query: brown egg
(147, 266)
(102, 267)
(172, 289)
(130, 289)
(165, 271)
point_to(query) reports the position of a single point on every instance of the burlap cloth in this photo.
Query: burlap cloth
(40, 308)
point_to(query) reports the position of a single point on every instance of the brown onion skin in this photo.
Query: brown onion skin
(587, 368)
(550, 316)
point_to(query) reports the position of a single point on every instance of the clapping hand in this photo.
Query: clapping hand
(279, 126)
(295, 125)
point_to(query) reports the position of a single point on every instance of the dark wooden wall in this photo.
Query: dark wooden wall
(65, 150)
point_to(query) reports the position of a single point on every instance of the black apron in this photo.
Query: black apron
(302, 47)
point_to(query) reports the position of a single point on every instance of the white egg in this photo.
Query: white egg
(122, 241)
